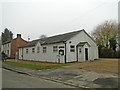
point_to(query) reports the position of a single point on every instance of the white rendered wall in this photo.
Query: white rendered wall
(81, 37)
(49, 56)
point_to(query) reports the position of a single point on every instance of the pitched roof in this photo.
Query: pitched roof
(30, 44)
(9, 41)
(83, 43)
(53, 39)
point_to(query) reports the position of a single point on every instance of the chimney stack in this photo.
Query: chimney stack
(18, 35)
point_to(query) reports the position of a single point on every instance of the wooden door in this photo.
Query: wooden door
(86, 53)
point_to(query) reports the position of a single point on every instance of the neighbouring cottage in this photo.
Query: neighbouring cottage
(10, 47)
(69, 47)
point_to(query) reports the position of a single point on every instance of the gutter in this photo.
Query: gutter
(65, 51)
(77, 53)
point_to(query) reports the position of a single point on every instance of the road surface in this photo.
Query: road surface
(15, 80)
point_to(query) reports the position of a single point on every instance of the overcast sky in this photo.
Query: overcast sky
(119, 12)
(52, 17)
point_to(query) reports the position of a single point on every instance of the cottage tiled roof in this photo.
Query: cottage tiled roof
(53, 39)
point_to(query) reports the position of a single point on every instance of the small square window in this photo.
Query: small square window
(55, 48)
(26, 50)
(8, 52)
(33, 50)
(72, 48)
(44, 49)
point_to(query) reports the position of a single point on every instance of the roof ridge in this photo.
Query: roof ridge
(58, 35)
(65, 33)
(54, 39)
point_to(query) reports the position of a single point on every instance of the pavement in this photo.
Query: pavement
(69, 76)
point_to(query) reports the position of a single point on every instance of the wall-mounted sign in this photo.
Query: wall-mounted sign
(61, 52)
(58, 56)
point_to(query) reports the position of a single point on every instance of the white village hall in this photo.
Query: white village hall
(75, 46)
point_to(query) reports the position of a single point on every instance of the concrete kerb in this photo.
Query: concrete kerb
(54, 80)
(20, 72)
(70, 84)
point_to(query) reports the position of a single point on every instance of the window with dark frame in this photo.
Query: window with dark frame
(44, 49)
(33, 50)
(55, 48)
(72, 48)
(26, 50)
(8, 52)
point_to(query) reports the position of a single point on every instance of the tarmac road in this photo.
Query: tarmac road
(15, 80)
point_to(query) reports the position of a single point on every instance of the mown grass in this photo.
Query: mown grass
(34, 66)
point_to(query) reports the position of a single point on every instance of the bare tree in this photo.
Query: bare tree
(104, 32)
(43, 36)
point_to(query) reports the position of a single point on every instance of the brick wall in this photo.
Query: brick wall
(15, 43)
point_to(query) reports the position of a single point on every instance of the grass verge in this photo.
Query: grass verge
(34, 66)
